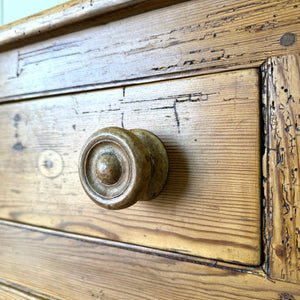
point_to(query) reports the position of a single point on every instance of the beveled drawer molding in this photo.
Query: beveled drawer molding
(210, 205)
(70, 16)
(193, 37)
(7, 293)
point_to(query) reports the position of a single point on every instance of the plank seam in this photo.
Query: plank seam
(129, 82)
(141, 249)
(25, 290)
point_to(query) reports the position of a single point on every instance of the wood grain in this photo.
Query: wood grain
(69, 17)
(210, 206)
(281, 97)
(193, 37)
(8, 293)
(59, 16)
(70, 268)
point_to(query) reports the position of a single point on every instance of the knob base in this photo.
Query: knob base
(159, 162)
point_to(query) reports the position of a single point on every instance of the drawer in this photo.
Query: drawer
(210, 125)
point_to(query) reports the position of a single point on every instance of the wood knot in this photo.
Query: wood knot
(280, 251)
(288, 39)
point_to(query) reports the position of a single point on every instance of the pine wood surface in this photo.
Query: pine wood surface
(210, 206)
(59, 16)
(281, 98)
(71, 268)
(7, 293)
(190, 37)
(71, 16)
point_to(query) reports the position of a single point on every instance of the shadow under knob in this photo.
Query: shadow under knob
(118, 167)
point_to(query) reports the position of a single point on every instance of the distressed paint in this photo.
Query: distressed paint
(281, 100)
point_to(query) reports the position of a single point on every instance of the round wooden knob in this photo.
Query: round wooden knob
(118, 167)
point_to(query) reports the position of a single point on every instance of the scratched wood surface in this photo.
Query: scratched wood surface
(73, 268)
(281, 97)
(210, 206)
(198, 36)
(7, 293)
(71, 16)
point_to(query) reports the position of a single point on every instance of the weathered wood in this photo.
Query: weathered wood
(71, 268)
(191, 37)
(56, 17)
(281, 98)
(69, 17)
(210, 205)
(8, 293)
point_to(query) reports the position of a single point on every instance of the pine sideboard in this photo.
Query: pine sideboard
(219, 84)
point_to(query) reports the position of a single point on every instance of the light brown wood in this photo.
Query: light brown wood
(210, 125)
(70, 16)
(8, 293)
(281, 98)
(198, 36)
(210, 205)
(71, 268)
(59, 16)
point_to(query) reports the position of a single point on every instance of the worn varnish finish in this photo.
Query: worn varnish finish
(210, 205)
(191, 37)
(53, 19)
(71, 16)
(96, 271)
(8, 293)
(281, 98)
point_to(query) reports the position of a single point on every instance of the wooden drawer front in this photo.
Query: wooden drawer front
(210, 206)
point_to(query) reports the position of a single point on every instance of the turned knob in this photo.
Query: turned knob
(118, 167)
